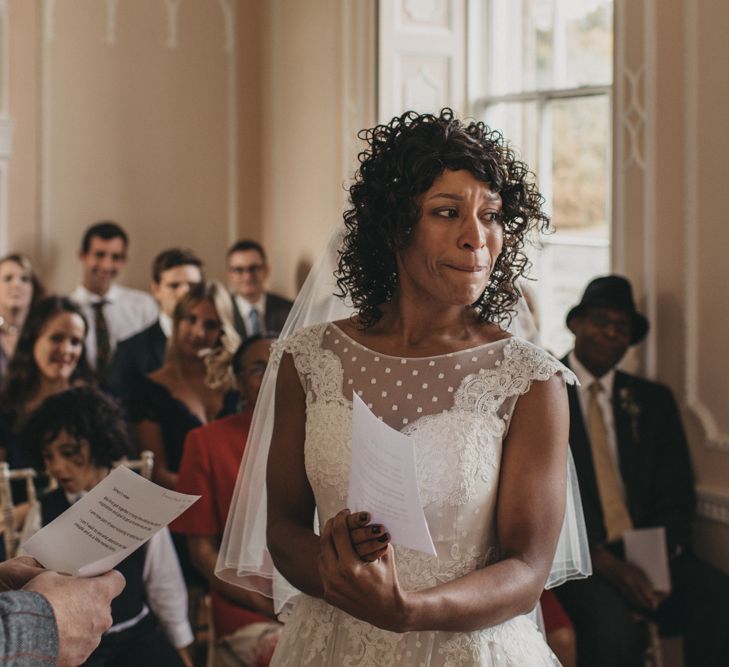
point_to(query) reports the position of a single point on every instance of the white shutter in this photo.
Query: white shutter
(422, 56)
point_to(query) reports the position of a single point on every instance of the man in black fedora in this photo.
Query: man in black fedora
(634, 471)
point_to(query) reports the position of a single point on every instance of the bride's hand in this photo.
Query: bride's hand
(368, 591)
(369, 540)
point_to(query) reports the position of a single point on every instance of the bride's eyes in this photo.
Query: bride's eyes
(448, 212)
(451, 212)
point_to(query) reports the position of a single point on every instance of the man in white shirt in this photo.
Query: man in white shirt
(174, 271)
(254, 309)
(113, 312)
(634, 471)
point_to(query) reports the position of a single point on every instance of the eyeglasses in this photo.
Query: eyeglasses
(622, 325)
(242, 270)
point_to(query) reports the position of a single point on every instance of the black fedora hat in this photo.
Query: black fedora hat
(612, 292)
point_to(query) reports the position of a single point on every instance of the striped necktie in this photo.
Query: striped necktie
(103, 339)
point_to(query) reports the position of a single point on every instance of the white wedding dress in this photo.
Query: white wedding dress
(456, 407)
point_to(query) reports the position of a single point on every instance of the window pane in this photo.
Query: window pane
(518, 122)
(562, 270)
(586, 46)
(542, 44)
(580, 138)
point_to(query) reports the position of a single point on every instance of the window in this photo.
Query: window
(540, 71)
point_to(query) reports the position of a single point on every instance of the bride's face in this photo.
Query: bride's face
(454, 245)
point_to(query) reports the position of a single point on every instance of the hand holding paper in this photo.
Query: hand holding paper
(112, 520)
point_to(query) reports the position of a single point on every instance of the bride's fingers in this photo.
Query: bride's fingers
(372, 546)
(340, 536)
(358, 519)
(371, 558)
(366, 533)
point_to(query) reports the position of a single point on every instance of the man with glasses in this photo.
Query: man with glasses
(254, 309)
(634, 471)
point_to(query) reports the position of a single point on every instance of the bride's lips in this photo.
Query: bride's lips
(467, 268)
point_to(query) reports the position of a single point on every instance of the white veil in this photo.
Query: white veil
(244, 558)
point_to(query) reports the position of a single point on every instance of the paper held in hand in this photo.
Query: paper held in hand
(101, 529)
(646, 548)
(383, 481)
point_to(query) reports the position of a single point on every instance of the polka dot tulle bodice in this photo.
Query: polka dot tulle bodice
(456, 407)
(400, 391)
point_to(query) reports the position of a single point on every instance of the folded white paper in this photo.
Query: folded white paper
(106, 525)
(646, 548)
(383, 480)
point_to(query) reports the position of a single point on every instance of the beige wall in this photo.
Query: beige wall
(188, 145)
(318, 90)
(703, 195)
(23, 89)
(672, 238)
(134, 131)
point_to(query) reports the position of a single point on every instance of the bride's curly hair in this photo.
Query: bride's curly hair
(402, 160)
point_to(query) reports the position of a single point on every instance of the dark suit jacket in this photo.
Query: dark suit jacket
(277, 310)
(654, 460)
(136, 356)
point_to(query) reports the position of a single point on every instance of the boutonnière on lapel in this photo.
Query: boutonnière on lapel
(632, 408)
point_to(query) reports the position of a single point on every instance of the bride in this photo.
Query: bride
(433, 245)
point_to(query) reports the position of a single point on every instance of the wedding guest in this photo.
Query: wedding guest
(182, 395)
(254, 309)
(242, 619)
(634, 470)
(49, 358)
(76, 436)
(113, 312)
(50, 618)
(174, 271)
(19, 289)
(193, 387)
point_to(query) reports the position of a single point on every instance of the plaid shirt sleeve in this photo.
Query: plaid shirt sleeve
(28, 631)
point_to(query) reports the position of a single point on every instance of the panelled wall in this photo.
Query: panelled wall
(670, 236)
(191, 122)
(130, 111)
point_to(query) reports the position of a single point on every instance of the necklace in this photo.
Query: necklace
(8, 328)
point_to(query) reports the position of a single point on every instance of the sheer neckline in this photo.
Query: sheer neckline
(445, 355)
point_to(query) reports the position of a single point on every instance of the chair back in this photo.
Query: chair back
(12, 524)
(144, 465)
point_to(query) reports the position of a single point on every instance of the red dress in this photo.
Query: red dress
(209, 468)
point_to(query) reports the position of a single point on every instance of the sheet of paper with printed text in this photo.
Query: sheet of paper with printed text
(107, 524)
(383, 480)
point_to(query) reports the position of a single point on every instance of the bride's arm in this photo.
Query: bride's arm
(530, 509)
(292, 542)
(293, 545)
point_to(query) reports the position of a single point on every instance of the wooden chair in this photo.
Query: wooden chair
(144, 465)
(653, 656)
(10, 511)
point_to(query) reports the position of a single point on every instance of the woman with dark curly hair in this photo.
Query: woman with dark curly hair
(77, 436)
(440, 210)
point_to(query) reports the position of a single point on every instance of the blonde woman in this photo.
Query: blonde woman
(194, 385)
